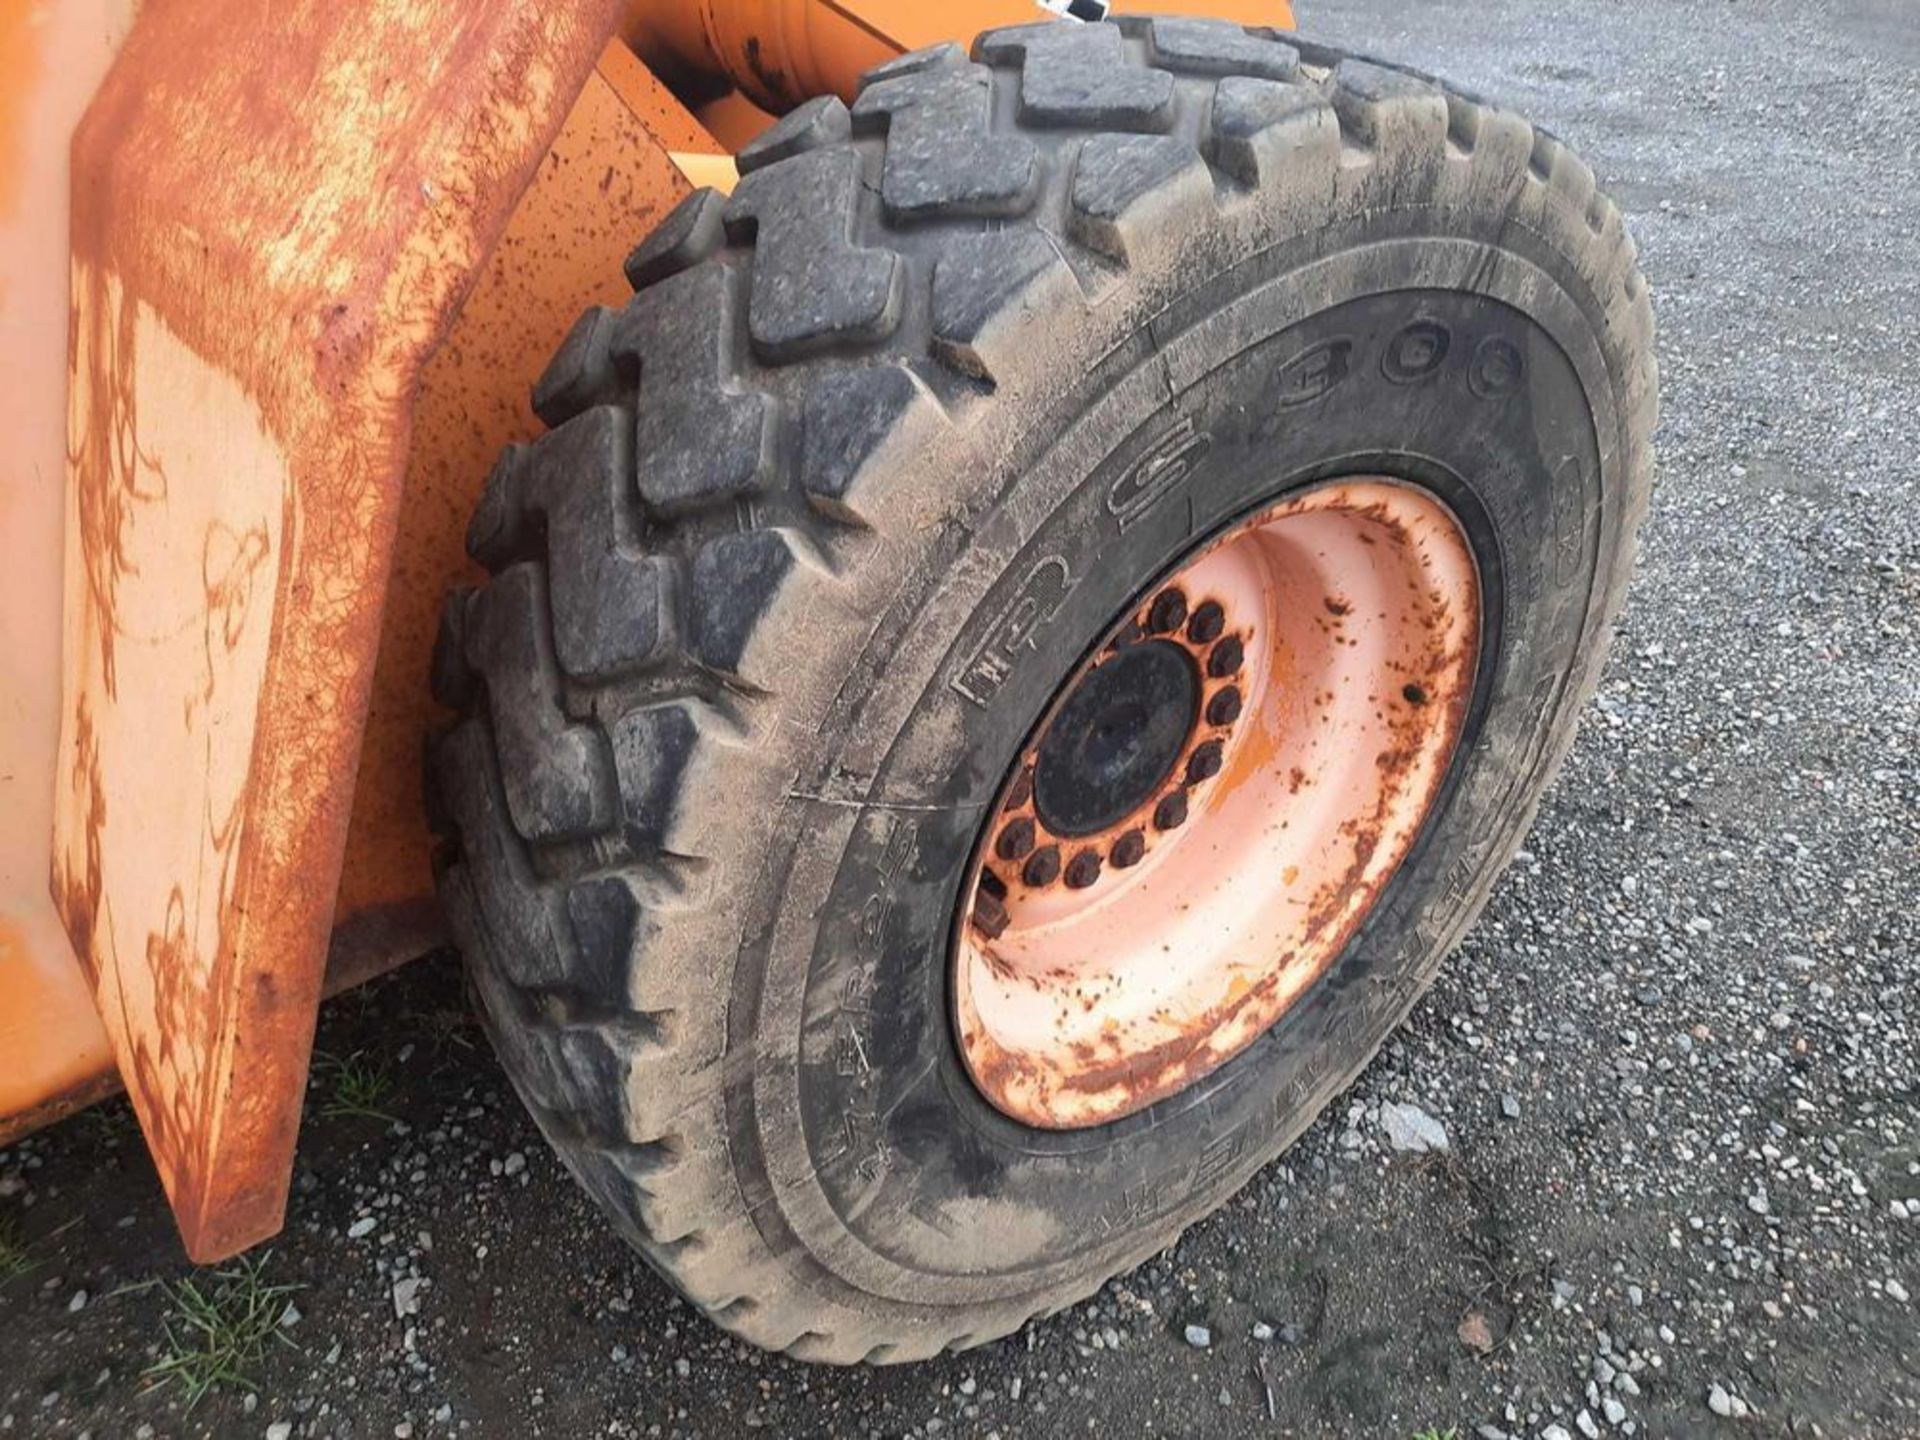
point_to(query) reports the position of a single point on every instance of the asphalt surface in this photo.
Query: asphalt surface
(1677, 1062)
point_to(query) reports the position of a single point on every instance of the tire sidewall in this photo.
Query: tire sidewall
(886, 1170)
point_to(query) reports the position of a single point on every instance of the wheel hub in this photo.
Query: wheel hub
(1116, 739)
(1214, 801)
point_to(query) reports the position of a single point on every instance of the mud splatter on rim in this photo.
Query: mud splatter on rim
(1214, 801)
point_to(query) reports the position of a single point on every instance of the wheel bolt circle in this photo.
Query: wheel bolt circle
(1021, 790)
(1204, 763)
(1083, 870)
(1016, 839)
(1171, 812)
(1207, 623)
(1225, 658)
(1042, 867)
(1224, 708)
(1168, 611)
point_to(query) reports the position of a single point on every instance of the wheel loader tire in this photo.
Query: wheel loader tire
(825, 513)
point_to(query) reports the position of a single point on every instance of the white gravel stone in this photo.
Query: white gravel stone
(406, 1296)
(1411, 1129)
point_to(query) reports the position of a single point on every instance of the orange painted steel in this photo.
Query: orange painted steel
(607, 179)
(53, 1050)
(276, 213)
(1332, 643)
(780, 52)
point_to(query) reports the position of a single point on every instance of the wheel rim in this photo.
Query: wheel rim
(1214, 801)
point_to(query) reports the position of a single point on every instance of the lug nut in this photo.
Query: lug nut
(1168, 611)
(1207, 623)
(992, 884)
(1128, 850)
(1042, 867)
(1021, 790)
(1171, 812)
(1224, 708)
(1129, 634)
(1225, 658)
(1016, 840)
(1083, 870)
(1204, 763)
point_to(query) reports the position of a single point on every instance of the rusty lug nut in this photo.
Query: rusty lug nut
(1083, 870)
(1204, 763)
(1207, 623)
(1043, 867)
(1129, 634)
(1021, 790)
(1016, 840)
(1225, 658)
(1168, 611)
(989, 915)
(1171, 812)
(1129, 850)
(992, 884)
(1224, 708)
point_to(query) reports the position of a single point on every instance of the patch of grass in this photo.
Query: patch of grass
(356, 1086)
(15, 1259)
(218, 1328)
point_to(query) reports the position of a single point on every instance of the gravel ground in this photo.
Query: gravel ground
(1677, 1064)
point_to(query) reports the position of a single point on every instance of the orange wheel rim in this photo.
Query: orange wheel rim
(1214, 802)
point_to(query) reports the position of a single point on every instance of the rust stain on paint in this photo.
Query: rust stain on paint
(277, 212)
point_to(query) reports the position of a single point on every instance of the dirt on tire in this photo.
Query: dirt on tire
(762, 603)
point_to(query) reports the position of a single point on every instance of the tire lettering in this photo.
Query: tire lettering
(1166, 463)
(1038, 600)
(1496, 369)
(1313, 374)
(1416, 352)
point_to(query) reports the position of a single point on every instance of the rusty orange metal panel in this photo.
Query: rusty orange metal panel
(52, 55)
(276, 212)
(607, 179)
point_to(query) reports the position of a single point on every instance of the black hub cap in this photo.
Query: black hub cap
(1116, 739)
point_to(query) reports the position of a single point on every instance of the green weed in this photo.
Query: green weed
(15, 1258)
(218, 1328)
(356, 1086)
